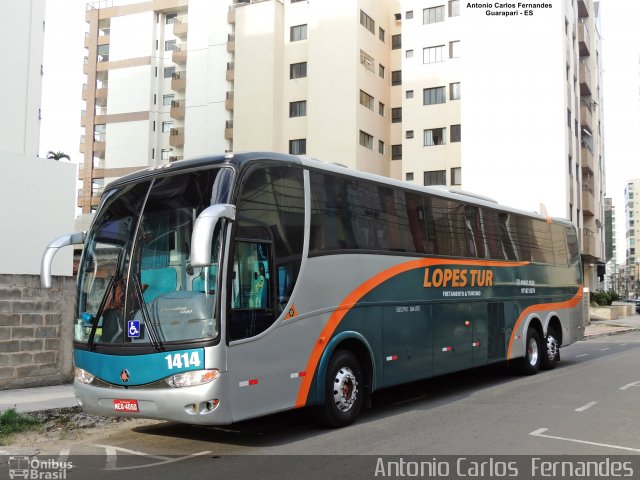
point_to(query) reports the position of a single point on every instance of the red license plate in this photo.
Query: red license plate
(125, 405)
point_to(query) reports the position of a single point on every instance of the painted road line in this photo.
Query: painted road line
(603, 349)
(582, 355)
(633, 384)
(540, 432)
(586, 407)
(112, 456)
(111, 450)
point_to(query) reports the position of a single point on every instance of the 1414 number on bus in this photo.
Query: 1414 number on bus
(182, 360)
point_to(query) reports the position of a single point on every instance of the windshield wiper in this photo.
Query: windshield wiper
(153, 333)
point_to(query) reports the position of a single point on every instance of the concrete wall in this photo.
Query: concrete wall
(35, 331)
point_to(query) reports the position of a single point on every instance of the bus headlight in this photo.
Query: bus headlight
(83, 376)
(191, 379)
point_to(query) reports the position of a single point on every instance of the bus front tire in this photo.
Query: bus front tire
(343, 393)
(530, 363)
(551, 350)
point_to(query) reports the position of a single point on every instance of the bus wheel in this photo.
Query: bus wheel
(551, 350)
(344, 392)
(530, 363)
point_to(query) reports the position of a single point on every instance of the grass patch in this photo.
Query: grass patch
(14, 422)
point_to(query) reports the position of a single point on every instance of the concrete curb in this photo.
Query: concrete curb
(612, 332)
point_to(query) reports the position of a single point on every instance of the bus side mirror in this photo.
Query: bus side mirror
(202, 234)
(76, 238)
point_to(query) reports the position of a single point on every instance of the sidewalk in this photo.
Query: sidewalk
(61, 396)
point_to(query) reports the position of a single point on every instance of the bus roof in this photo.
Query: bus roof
(238, 160)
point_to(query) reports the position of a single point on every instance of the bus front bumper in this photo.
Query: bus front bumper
(200, 405)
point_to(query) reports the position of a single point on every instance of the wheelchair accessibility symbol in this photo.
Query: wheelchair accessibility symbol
(133, 329)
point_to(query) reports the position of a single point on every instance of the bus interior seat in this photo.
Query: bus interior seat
(159, 281)
(183, 315)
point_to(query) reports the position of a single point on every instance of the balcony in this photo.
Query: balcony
(99, 149)
(588, 200)
(586, 161)
(175, 158)
(231, 71)
(228, 103)
(95, 197)
(176, 137)
(585, 79)
(231, 16)
(588, 243)
(179, 81)
(180, 27)
(179, 54)
(228, 130)
(584, 40)
(231, 43)
(177, 109)
(583, 8)
(586, 117)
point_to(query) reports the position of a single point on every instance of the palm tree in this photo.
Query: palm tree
(57, 155)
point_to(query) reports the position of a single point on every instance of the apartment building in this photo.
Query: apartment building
(632, 232)
(382, 86)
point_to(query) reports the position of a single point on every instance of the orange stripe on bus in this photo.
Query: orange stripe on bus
(351, 299)
(541, 307)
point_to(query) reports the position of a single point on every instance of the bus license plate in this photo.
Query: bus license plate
(125, 405)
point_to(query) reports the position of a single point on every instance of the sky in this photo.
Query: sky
(62, 91)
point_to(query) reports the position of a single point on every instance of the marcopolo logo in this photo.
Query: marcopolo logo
(38, 469)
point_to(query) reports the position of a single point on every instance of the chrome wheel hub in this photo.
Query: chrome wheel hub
(345, 389)
(552, 348)
(532, 351)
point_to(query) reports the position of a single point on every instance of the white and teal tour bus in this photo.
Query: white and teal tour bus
(219, 289)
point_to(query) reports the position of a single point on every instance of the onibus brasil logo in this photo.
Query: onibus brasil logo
(38, 469)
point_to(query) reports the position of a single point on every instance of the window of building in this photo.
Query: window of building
(381, 70)
(408, 54)
(171, 18)
(408, 176)
(396, 115)
(367, 22)
(454, 49)
(366, 100)
(298, 70)
(367, 60)
(433, 54)
(435, 136)
(381, 109)
(167, 99)
(165, 153)
(298, 109)
(380, 147)
(454, 8)
(298, 146)
(408, 134)
(408, 94)
(408, 15)
(396, 77)
(435, 177)
(433, 96)
(433, 15)
(456, 176)
(454, 133)
(366, 140)
(169, 45)
(396, 42)
(381, 34)
(454, 91)
(396, 152)
(169, 71)
(297, 33)
(166, 126)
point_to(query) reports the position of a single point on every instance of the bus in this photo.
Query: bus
(218, 289)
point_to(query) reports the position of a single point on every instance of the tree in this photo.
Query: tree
(57, 155)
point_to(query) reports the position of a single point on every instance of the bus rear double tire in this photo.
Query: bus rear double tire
(343, 393)
(550, 350)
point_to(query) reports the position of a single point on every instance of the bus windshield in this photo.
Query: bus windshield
(135, 282)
